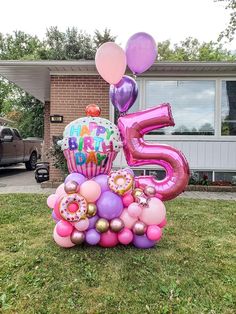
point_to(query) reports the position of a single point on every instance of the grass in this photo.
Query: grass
(191, 270)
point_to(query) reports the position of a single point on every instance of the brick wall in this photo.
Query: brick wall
(69, 97)
(46, 143)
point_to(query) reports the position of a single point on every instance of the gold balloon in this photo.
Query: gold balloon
(77, 237)
(139, 228)
(70, 187)
(117, 225)
(91, 210)
(102, 225)
(137, 192)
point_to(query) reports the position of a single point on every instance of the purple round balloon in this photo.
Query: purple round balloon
(142, 242)
(92, 237)
(102, 180)
(141, 52)
(109, 205)
(77, 177)
(54, 217)
(124, 93)
(92, 221)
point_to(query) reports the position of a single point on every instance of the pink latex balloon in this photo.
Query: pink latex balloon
(125, 236)
(110, 61)
(82, 225)
(154, 213)
(127, 199)
(163, 223)
(90, 190)
(154, 233)
(134, 210)
(62, 241)
(127, 219)
(108, 239)
(60, 190)
(138, 152)
(64, 228)
(51, 200)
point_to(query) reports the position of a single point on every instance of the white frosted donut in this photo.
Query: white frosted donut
(73, 216)
(120, 181)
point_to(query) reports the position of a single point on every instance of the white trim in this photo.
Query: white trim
(74, 73)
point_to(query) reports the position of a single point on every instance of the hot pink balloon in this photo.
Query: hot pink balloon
(125, 236)
(141, 52)
(163, 223)
(154, 233)
(127, 199)
(64, 228)
(138, 152)
(154, 213)
(108, 239)
(110, 61)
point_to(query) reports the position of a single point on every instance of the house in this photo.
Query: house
(202, 95)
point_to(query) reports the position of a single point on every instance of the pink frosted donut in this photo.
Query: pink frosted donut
(120, 181)
(73, 207)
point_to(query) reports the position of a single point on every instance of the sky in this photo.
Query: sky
(163, 19)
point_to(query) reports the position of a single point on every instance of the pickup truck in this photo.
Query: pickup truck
(14, 149)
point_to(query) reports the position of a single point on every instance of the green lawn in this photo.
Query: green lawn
(190, 271)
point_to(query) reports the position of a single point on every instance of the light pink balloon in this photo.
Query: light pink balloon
(154, 233)
(62, 241)
(90, 190)
(134, 210)
(60, 190)
(154, 213)
(127, 219)
(64, 228)
(51, 200)
(125, 236)
(110, 61)
(82, 225)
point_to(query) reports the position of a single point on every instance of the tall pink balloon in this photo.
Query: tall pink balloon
(141, 52)
(138, 152)
(110, 61)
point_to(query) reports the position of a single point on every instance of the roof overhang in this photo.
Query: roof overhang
(34, 76)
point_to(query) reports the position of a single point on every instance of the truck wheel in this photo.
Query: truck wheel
(31, 164)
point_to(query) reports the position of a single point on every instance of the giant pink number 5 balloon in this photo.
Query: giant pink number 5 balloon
(138, 152)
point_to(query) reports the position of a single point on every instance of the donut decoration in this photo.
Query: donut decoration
(73, 207)
(120, 181)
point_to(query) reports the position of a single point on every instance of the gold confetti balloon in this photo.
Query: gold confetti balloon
(91, 210)
(117, 225)
(77, 237)
(70, 187)
(137, 193)
(102, 225)
(139, 228)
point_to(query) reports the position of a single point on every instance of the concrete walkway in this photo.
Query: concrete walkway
(36, 189)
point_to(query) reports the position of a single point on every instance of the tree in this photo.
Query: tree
(101, 38)
(231, 28)
(192, 50)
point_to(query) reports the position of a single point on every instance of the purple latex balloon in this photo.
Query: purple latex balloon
(102, 180)
(92, 237)
(77, 177)
(142, 242)
(141, 52)
(92, 221)
(109, 205)
(124, 93)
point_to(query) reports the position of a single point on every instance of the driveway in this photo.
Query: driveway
(16, 179)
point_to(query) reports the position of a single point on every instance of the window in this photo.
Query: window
(17, 134)
(192, 103)
(228, 108)
(6, 132)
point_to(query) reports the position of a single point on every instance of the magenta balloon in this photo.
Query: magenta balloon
(124, 93)
(141, 52)
(138, 152)
(77, 177)
(109, 205)
(102, 180)
(142, 242)
(92, 237)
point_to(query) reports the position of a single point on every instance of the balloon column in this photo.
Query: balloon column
(98, 205)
